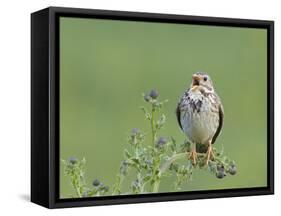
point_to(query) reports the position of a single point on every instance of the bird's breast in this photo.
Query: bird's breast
(199, 118)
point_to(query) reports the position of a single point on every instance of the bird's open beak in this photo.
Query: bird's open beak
(195, 80)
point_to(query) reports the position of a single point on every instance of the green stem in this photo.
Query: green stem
(156, 183)
(117, 188)
(153, 126)
(77, 188)
(156, 186)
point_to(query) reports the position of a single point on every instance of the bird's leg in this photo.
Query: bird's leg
(193, 154)
(210, 153)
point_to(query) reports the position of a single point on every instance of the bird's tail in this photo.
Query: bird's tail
(200, 148)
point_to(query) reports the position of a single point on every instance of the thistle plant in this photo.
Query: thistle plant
(153, 156)
(75, 169)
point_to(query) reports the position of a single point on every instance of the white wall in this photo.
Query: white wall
(15, 106)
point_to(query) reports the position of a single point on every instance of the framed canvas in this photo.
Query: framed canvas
(139, 107)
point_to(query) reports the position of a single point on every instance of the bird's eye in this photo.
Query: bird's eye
(205, 78)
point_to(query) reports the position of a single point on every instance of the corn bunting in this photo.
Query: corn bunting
(200, 114)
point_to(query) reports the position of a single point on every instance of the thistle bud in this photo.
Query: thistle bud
(153, 94)
(96, 183)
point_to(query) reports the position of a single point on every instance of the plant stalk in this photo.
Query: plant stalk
(153, 131)
(156, 186)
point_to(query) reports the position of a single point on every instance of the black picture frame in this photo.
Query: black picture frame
(45, 106)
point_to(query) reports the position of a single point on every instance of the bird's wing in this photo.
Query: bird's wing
(221, 116)
(178, 109)
(178, 113)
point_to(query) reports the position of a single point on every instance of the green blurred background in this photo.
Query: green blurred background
(105, 65)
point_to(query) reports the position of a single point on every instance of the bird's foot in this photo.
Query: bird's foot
(210, 154)
(193, 157)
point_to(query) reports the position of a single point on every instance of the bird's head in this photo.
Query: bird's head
(202, 80)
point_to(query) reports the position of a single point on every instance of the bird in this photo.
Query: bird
(200, 115)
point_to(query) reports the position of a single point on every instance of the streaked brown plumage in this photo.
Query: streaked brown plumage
(200, 114)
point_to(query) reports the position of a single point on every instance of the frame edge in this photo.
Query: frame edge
(39, 107)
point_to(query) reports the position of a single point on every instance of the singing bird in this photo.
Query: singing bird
(200, 114)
